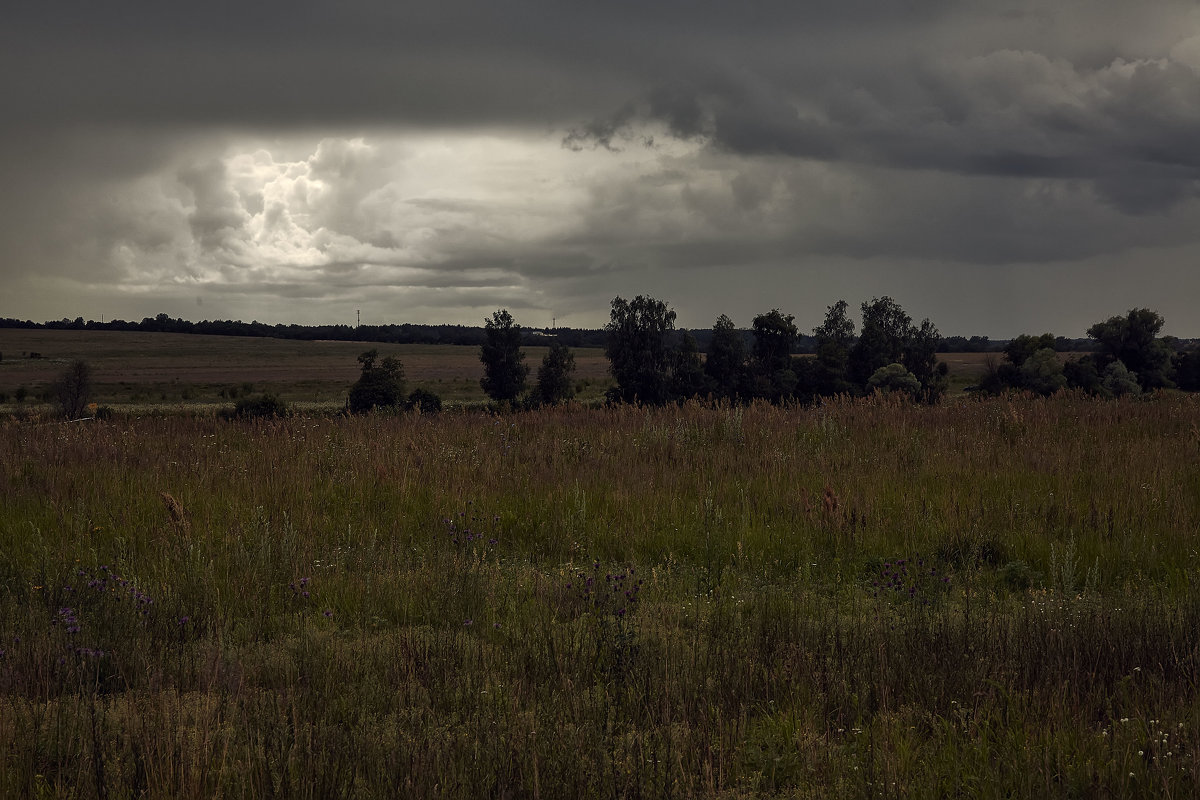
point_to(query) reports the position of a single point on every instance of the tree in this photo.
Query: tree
(1133, 340)
(73, 389)
(920, 358)
(379, 386)
(725, 361)
(1120, 381)
(503, 362)
(885, 328)
(835, 337)
(554, 383)
(1042, 372)
(687, 370)
(771, 354)
(1081, 373)
(1187, 370)
(1021, 348)
(639, 350)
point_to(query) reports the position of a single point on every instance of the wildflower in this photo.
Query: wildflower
(184, 620)
(328, 613)
(468, 622)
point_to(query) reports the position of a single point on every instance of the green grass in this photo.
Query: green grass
(980, 599)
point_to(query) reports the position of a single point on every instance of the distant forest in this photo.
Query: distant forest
(407, 333)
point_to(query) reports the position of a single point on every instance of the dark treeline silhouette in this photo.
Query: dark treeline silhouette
(409, 333)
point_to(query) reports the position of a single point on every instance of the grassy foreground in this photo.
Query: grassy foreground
(981, 599)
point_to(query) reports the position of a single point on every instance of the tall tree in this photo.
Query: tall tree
(73, 389)
(775, 335)
(885, 328)
(639, 349)
(1133, 340)
(379, 385)
(835, 337)
(920, 358)
(554, 375)
(503, 362)
(725, 360)
(687, 370)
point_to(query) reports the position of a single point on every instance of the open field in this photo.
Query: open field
(157, 368)
(990, 598)
(137, 370)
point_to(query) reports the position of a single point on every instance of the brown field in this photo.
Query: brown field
(132, 368)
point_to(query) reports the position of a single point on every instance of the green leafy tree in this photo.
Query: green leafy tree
(639, 349)
(775, 335)
(1021, 348)
(885, 328)
(1042, 372)
(379, 385)
(687, 371)
(920, 358)
(725, 360)
(1133, 340)
(888, 336)
(1081, 373)
(835, 337)
(1119, 381)
(554, 384)
(1187, 370)
(503, 362)
(73, 389)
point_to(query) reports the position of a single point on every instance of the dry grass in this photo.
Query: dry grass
(982, 599)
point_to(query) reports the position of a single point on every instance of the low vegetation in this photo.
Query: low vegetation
(989, 598)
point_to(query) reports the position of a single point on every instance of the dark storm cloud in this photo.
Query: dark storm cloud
(241, 147)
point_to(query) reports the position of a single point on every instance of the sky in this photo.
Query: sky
(998, 166)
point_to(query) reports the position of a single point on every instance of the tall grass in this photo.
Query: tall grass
(866, 599)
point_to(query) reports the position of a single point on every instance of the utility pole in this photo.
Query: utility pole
(358, 324)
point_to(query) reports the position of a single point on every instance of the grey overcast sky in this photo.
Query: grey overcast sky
(999, 166)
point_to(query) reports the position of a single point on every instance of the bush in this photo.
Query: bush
(265, 406)
(424, 401)
(894, 378)
(1119, 381)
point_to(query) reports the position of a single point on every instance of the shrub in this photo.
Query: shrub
(424, 401)
(894, 378)
(73, 389)
(265, 406)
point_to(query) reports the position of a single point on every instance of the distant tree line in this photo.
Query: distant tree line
(467, 335)
(654, 364)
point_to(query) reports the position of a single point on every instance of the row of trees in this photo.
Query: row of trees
(505, 374)
(1132, 357)
(652, 364)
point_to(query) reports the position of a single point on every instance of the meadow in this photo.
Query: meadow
(984, 598)
(143, 372)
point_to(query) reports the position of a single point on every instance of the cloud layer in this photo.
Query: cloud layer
(999, 167)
